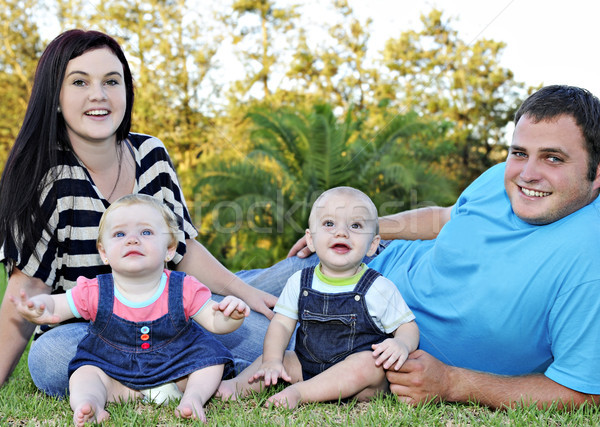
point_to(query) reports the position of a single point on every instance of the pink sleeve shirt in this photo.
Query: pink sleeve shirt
(83, 300)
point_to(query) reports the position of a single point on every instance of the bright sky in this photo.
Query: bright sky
(547, 41)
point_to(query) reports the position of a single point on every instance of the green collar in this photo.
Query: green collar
(340, 281)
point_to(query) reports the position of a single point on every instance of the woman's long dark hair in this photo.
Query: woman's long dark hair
(43, 136)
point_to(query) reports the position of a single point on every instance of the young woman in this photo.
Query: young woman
(73, 156)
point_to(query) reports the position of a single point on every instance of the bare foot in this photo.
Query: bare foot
(190, 408)
(85, 413)
(228, 390)
(287, 398)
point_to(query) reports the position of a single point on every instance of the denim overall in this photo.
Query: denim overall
(146, 354)
(333, 326)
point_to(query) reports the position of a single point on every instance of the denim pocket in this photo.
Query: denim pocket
(328, 338)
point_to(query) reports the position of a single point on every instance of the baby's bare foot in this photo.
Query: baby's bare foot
(85, 413)
(228, 390)
(287, 398)
(190, 408)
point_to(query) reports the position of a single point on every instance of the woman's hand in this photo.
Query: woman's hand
(261, 302)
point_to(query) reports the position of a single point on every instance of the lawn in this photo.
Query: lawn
(21, 404)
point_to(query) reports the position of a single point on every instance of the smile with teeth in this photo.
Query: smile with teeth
(533, 193)
(97, 113)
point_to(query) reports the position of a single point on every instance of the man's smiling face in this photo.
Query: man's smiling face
(546, 170)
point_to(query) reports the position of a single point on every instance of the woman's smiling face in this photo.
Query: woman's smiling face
(93, 97)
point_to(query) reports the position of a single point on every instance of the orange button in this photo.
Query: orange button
(145, 337)
(145, 345)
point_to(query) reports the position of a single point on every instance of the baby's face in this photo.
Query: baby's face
(342, 231)
(135, 239)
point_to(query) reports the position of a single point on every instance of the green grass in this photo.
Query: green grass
(21, 404)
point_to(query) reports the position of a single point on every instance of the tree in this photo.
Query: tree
(257, 38)
(21, 48)
(335, 70)
(255, 206)
(436, 73)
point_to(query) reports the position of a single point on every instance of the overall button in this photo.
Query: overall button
(145, 337)
(145, 329)
(145, 346)
(357, 297)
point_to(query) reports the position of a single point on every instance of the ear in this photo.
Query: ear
(374, 245)
(596, 182)
(309, 240)
(170, 253)
(102, 253)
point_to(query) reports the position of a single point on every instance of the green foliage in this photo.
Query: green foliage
(19, 52)
(436, 73)
(261, 201)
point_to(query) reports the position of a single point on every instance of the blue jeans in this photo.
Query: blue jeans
(51, 353)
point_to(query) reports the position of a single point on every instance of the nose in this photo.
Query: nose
(132, 239)
(97, 92)
(530, 171)
(341, 230)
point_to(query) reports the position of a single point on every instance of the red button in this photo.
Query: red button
(145, 345)
(145, 337)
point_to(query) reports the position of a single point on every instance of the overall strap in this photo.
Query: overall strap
(106, 300)
(366, 281)
(306, 277)
(176, 310)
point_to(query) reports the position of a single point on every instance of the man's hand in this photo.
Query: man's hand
(300, 249)
(422, 378)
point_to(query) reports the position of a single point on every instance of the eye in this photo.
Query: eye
(554, 159)
(147, 233)
(118, 234)
(112, 82)
(356, 226)
(328, 223)
(518, 154)
(78, 83)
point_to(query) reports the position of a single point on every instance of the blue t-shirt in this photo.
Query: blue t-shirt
(496, 294)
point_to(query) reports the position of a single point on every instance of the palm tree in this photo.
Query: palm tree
(258, 206)
(400, 166)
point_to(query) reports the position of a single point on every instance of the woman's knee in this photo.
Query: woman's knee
(49, 358)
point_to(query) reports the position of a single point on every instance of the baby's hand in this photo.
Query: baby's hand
(33, 309)
(270, 372)
(389, 352)
(233, 307)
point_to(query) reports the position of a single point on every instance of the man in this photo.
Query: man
(508, 293)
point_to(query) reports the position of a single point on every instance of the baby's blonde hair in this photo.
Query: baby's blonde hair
(350, 191)
(143, 199)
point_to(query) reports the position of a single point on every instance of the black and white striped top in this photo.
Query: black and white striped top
(75, 215)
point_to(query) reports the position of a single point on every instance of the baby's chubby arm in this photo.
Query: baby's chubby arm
(393, 352)
(42, 309)
(276, 340)
(223, 317)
